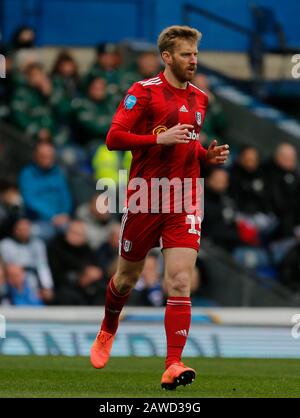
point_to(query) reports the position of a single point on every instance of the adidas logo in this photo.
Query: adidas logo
(183, 109)
(182, 332)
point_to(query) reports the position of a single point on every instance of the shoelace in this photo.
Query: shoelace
(178, 364)
(103, 338)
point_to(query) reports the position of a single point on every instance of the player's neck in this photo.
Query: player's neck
(171, 79)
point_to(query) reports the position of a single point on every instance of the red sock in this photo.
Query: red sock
(114, 302)
(177, 325)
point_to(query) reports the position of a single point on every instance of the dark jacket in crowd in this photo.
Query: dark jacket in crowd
(91, 119)
(67, 262)
(283, 193)
(105, 256)
(219, 220)
(248, 189)
(289, 271)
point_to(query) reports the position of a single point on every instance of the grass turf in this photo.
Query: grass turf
(33, 376)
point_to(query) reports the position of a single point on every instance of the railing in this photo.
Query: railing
(187, 9)
(229, 284)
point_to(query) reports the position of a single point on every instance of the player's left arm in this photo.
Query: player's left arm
(215, 154)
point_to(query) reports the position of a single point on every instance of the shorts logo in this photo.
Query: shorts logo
(130, 101)
(159, 129)
(127, 245)
(198, 118)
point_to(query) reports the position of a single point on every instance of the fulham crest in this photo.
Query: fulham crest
(127, 245)
(198, 118)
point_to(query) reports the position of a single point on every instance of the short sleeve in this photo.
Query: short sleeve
(132, 107)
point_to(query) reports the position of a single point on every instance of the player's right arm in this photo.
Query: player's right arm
(131, 109)
(178, 134)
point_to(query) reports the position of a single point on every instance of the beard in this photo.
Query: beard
(183, 74)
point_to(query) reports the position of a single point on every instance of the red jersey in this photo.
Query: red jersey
(152, 106)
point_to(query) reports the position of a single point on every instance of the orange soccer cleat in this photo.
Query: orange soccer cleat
(176, 375)
(101, 348)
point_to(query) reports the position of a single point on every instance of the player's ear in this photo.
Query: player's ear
(166, 56)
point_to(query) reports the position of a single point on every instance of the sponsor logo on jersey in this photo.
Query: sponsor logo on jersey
(183, 109)
(193, 135)
(159, 129)
(127, 245)
(130, 101)
(198, 118)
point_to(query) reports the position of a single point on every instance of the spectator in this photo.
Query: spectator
(249, 191)
(107, 253)
(31, 105)
(19, 290)
(107, 66)
(22, 52)
(220, 216)
(92, 114)
(65, 80)
(78, 281)
(97, 219)
(247, 183)
(6, 87)
(148, 65)
(215, 122)
(202, 284)
(148, 290)
(30, 254)
(23, 38)
(283, 181)
(4, 297)
(106, 164)
(11, 206)
(22, 60)
(289, 269)
(45, 192)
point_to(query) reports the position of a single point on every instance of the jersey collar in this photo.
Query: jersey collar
(178, 91)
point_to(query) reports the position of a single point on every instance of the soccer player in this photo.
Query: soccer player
(159, 120)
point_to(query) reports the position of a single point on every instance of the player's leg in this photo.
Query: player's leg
(179, 265)
(139, 232)
(180, 242)
(118, 291)
(117, 294)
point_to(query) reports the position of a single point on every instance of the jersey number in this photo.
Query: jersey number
(193, 220)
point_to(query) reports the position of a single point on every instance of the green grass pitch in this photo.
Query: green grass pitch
(140, 377)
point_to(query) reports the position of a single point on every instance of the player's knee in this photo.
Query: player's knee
(125, 281)
(179, 282)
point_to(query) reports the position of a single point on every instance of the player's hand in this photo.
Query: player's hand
(178, 134)
(217, 154)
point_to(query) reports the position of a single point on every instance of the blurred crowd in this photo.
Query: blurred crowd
(53, 251)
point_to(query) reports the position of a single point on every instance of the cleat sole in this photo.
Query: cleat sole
(185, 378)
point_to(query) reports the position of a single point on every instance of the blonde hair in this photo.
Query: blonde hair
(167, 38)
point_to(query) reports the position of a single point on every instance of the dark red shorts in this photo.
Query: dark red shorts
(142, 231)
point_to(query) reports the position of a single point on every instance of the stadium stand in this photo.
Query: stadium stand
(64, 98)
